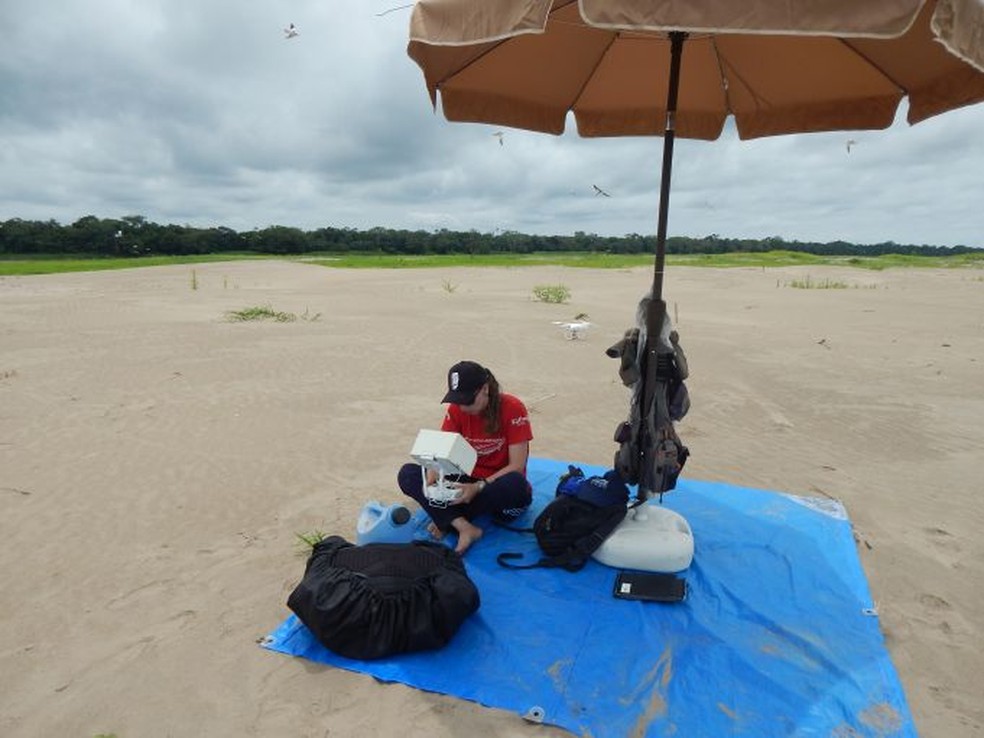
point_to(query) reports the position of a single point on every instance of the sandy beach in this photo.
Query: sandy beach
(157, 461)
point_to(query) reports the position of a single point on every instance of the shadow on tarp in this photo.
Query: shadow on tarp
(777, 636)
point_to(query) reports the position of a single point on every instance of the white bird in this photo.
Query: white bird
(599, 191)
(499, 135)
(574, 329)
(291, 31)
(392, 10)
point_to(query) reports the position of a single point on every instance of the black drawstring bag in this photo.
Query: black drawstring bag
(380, 599)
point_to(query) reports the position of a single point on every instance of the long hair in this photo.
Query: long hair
(491, 413)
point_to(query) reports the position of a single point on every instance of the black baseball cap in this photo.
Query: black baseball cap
(465, 379)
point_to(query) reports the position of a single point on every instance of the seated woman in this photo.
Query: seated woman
(497, 426)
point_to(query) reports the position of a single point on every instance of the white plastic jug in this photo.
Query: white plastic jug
(650, 538)
(380, 523)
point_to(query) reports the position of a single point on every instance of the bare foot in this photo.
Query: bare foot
(434, 531)
(467, 534)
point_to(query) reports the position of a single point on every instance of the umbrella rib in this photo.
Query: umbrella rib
(724, 77)
(577, 98)
(728, 73)
(871, 63)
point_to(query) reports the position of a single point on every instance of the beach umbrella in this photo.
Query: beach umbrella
(662, 67)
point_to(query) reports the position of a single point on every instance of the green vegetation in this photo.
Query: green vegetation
(41, 264)
(974, 259)
(823, 284)
(555, 293)
(260, 312)
(552, 258)
(307, 541)
(265, 312)
(133, 236)
(758, 260)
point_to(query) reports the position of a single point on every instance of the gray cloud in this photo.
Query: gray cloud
(202, 113)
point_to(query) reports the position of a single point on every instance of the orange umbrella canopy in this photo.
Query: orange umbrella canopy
(680, 68)
(777, 66)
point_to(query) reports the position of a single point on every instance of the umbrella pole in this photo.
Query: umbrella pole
(656, 310)
(669, 136)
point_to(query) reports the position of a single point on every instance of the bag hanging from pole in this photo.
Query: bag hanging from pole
(650, 452)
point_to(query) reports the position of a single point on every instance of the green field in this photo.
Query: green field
(55, 265)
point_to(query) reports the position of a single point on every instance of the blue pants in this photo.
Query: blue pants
(505, 498)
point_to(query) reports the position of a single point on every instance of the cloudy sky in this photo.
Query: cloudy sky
(201, 112)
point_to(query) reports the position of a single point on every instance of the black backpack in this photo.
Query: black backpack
(379, 599)
(583, 513)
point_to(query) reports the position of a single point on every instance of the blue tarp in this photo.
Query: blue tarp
(778, 635)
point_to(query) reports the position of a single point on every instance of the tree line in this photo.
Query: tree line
(134, 235)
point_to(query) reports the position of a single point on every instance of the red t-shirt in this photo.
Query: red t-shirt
(493, 450)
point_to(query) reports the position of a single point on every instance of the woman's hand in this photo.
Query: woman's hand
(469, 491)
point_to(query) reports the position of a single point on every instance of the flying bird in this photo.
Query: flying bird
(599, 191)
(291, 31)
(392, 10)
(499, 135)
(574, 329)
(850, 142)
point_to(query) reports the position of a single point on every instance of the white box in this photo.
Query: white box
(449, 452)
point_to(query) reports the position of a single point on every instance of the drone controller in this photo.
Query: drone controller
(447, 454)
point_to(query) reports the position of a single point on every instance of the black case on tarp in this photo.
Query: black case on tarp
(649, 586)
